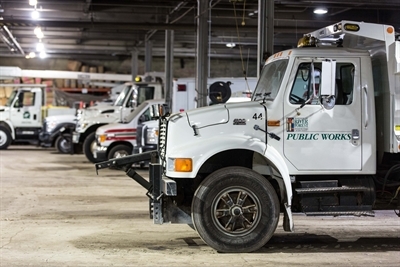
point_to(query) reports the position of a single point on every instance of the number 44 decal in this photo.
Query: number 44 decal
(257, 117)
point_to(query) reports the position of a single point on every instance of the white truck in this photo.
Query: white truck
(89, 119)
(116, 140)
(21, 119)
(321, 136)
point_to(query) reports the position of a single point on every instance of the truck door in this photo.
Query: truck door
(26, 109)
(316, 138)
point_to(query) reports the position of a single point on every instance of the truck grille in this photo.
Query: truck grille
(162, 139)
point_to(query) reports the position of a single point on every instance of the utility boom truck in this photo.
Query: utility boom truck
(21, 118)
(321, 136)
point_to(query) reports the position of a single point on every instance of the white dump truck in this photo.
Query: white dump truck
(321, 136)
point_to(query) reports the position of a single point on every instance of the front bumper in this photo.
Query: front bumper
(100, 153)
(141, 149)
(75, 137)
(44, 139)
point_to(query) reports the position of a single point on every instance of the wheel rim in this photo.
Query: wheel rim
(65, 145)
(3, 138)
(120, 154)
(236, 211)
(93, 147)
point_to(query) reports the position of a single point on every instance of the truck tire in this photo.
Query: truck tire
(235, 210)
(63, 143)
(119, 151)
(89, 145)
(5, 137)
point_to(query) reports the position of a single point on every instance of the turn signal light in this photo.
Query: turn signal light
(183, 165)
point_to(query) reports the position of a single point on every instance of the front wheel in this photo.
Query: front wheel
(235, 209)
(5, 137)
(63, 143)
(89, 146)
(120, 151)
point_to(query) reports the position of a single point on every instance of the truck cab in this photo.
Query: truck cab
(21, 117)
(119, 139)
(88, 120)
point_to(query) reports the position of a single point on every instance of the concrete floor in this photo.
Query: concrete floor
(55, 211)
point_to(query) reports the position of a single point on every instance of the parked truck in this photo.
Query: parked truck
(116, 140)
(89, 119)
(321, 136)
(21, 118)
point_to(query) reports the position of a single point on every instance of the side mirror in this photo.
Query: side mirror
(328, 83)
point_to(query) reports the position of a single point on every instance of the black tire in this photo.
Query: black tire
(219, 216)
(88, 147)
(63, 143)
(5, 137)
(119, 151)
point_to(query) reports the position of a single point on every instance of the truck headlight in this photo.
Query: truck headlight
(152, 136)
(180, 164)
(50, 125)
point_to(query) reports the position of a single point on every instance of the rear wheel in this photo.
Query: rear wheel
(63, 143)
(235, 210)
(89, 146)
(5, 137)
(119, 151)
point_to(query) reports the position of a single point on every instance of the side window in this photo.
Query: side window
(29, 99)
(344, 83)
(306, 85)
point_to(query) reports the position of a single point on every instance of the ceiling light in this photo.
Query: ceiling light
(35, 14)
(42, 54)
(230, 45)
(30, 55)
(320, 10)
(32, 2)
(38, 32)
(39, 47)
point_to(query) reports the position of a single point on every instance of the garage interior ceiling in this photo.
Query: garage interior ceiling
(105, 29)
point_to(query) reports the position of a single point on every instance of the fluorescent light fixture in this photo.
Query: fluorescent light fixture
(32, 2)
(230, 45)
(35, 14)
(320, 10)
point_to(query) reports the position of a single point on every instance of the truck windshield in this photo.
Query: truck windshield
(11, 98)
(270, 80)
(124, 93)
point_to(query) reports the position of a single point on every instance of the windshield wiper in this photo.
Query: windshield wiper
(264, 95)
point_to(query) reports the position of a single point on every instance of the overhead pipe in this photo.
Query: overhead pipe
(14, 41)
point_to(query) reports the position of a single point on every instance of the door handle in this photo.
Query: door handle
(366, 120)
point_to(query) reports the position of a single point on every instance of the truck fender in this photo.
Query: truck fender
(9, 125)
(203, 150)
(275, 158)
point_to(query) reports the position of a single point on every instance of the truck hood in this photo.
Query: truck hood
(102, 109)
(217, 114)
(61, 118)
